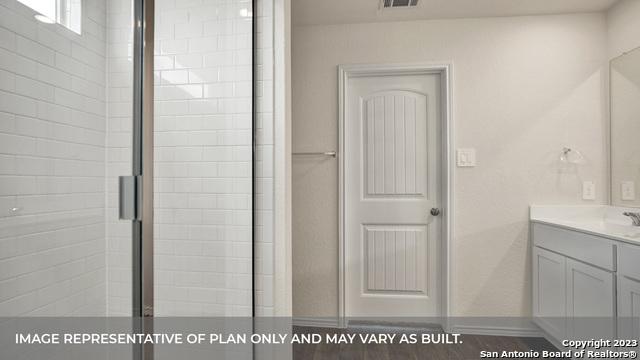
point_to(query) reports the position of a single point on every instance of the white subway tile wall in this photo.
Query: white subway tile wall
(52, 164)
(264, 249)
(65, 137)
(203, 110)
(119, 152)
(202, 158)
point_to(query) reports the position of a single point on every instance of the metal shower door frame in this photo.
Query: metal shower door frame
(142, 164)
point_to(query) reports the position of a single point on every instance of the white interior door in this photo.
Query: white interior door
(391, 183)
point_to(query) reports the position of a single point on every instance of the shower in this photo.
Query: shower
(126, 158)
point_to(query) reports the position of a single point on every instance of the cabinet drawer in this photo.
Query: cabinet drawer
(584, 247)
(629, 261)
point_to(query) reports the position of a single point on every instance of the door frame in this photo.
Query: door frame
(445, 71)
(142, 238)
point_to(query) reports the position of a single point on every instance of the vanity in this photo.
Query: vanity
(586, 259)
(586, 272)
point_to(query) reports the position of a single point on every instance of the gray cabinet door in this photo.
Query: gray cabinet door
(590, 302)
(628, 308)
(549, 292)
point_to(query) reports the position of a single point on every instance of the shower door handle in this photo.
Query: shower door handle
(127, 198)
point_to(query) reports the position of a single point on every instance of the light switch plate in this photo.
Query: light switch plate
(588, 190)
(628, 190)
(466, 157)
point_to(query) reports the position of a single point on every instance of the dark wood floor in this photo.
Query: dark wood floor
(469, 348)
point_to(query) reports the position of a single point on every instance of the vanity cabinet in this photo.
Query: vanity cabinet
(550, 291)
(574, 283)
(591, 307)
(628, 308)
(628, 291)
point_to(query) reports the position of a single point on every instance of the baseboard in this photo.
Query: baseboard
(466, 329)
(316, 322)
(495, 330)
(552, 340)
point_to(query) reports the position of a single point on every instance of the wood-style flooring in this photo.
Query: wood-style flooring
(469, 348)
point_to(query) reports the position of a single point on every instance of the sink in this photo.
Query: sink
(599, 219)
(622, 230)
(604, 227)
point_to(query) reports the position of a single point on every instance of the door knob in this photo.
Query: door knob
(435, 211)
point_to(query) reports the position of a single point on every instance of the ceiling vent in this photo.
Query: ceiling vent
(388, 4)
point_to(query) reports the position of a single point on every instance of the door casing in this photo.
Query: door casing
(444, 70)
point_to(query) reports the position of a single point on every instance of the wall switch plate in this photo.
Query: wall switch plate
(628, 190)
(466, 157)
(588, 190)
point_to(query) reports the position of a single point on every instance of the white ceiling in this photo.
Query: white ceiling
(315, 12)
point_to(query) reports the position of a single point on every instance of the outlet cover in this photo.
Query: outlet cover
(588, 190)
(628, 190)
(466, 157)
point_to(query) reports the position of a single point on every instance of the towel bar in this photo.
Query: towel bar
(324, 153)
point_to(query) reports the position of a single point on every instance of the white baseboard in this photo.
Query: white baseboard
(495, 330)
(466, 329)
(316, 322)
(552, 340)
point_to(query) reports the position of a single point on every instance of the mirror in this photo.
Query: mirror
(625, 129)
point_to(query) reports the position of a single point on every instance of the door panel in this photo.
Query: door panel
(395, 260)
(392, 180)
(628, 308)
(590, 301)
(393, 142)
(550, 300)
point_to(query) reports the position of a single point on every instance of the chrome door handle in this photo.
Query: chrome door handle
(435, 211)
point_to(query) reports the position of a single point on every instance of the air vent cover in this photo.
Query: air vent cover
(398, 3)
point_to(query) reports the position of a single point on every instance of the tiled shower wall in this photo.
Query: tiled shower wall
(119, 152)
(52, 164)
(59, 141)
(264, 230)
(202, 157)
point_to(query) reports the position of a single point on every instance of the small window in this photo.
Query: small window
(67, 13)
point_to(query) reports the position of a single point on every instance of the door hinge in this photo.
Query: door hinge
(128, 190)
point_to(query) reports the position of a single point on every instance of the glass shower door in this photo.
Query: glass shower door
(54, 172)
(115, 202)
(199, 248)
(203, 173)
(203, 158)
(119, 153)
(77, 114)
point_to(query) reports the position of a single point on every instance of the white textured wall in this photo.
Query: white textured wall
(623, 27)
(52, 164)
(523, 87)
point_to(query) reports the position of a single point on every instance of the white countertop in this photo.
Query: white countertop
(600, 220)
